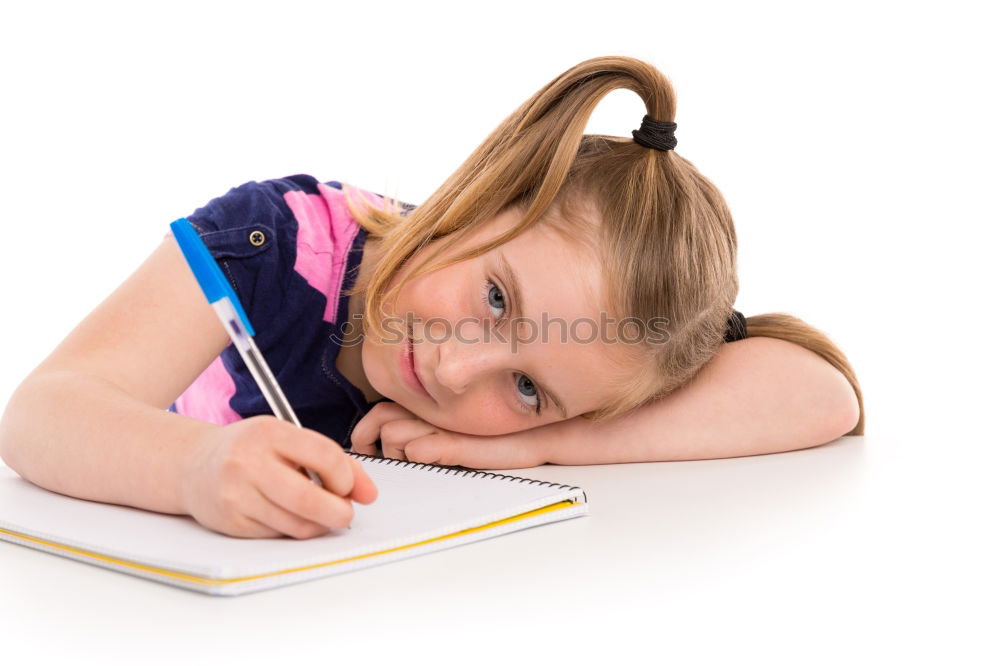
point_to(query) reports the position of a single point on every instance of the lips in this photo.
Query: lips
(408, 367)
(412, 358)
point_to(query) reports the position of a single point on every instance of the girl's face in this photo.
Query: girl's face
(478, 373)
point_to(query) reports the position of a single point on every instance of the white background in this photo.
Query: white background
(856, 144)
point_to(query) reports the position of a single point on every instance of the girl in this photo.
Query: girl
(576, 314)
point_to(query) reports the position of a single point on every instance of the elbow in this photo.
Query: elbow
(849, 414)
(852, 413)
(842, 407)
(15, 424)
(7, 436)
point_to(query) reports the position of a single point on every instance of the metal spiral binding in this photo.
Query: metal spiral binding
(458, 470)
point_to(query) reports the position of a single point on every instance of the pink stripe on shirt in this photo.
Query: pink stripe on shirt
(326, 233)
(207, 399)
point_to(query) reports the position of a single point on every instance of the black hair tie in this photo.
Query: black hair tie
(655, 134)
(737, 329)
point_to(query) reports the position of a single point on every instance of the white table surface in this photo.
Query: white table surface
(859, 551)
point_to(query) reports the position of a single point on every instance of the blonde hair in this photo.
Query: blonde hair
(664, 232)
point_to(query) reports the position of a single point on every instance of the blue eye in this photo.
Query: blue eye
(494, 298)
(528, 387)
(524, 388)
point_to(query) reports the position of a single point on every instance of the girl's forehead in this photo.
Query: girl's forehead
(553, 273)
(557, 273)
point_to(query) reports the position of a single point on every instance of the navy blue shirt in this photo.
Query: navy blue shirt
(290, 248)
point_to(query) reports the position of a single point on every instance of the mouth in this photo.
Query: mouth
(408, 367)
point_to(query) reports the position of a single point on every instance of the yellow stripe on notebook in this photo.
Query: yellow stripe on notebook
(225, 581)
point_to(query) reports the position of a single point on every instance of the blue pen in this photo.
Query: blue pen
(225, 303)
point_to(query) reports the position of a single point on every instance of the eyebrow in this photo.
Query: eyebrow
(510, 277)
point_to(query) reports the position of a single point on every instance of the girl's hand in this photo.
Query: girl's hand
(405, 436)
(244, 481)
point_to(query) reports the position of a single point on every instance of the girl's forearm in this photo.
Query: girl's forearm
(83, 436)
(759, 395)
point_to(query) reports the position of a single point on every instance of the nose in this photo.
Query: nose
(464, 358)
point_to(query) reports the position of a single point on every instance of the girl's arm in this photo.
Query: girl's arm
(758, 395)
(90, 420)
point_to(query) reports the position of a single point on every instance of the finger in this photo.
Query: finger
(363, 444)
(322, 455)
(256, 530)
(472, 451)
(247, 528)
(367, 430)
(364, 488)
(298, 495)
(393, 440)
(394, 452)
(361, 438)
(396, 435)
(273, 518)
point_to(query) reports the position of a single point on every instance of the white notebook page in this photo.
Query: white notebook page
(415, 503)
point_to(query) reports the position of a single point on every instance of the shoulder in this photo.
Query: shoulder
(317, 211)
(285, 234)
(256, 201)
(310, 213)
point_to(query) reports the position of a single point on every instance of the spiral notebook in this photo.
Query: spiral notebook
(421, 508)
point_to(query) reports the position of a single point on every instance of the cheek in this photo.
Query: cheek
(479, 417)
(368, 363)
(376, 360)
(444, 293)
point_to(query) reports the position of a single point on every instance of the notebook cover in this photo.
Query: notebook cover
(420, 509)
